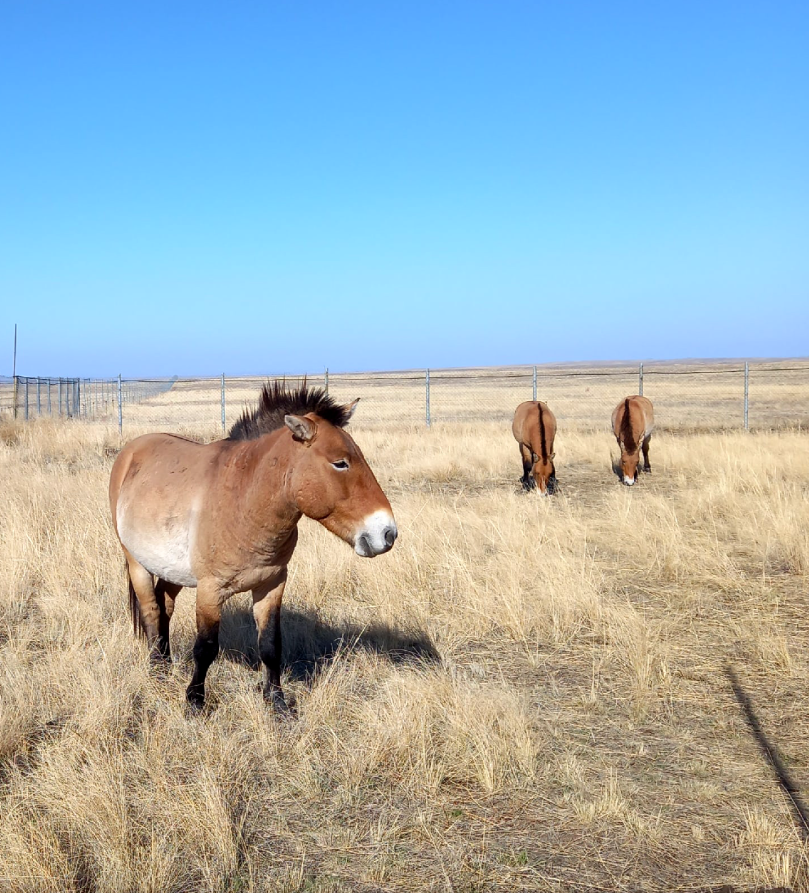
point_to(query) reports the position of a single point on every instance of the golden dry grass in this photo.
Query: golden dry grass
(524, 694)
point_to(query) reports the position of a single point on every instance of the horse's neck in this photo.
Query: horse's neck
(267, 505)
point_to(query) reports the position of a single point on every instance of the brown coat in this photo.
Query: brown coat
(534, 429)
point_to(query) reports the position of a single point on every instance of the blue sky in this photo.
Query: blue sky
(196, 188)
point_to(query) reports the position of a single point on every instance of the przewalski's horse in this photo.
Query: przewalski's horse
(633, 421)
(223, 517)
(534, 429)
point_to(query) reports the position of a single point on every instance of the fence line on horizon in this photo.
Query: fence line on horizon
(708, 395)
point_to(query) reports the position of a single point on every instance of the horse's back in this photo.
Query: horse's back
(525, 426)
(520, 419)
(641, 415)
(149, 454)
(157, 489)
(647, 413)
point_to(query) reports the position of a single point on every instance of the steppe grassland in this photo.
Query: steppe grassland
(524, 694)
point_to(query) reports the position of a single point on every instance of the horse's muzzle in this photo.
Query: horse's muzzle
(377, 535)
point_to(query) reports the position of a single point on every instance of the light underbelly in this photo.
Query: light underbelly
(164, 550)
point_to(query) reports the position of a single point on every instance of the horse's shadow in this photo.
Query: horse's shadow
(310, 642)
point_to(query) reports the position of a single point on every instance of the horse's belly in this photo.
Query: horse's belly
(164, 550)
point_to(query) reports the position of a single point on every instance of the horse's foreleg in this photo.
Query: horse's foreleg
(206, 646)
(165, 594)
(645, 448)
(528, 482)
(267, 613)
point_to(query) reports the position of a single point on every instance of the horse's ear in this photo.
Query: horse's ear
(302, 429)
(351, 407)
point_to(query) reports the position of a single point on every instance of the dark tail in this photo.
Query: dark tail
(626, 429)
(134, 608)
(542, 445)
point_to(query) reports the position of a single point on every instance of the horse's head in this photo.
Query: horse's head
(331, 482)
(629, 466)
(544, 474)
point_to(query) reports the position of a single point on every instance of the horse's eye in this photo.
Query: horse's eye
(340, 465)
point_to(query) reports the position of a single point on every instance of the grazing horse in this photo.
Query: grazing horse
(534, 428)
(223, 517)
(633, 421)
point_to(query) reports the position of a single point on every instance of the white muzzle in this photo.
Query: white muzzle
(376, 536)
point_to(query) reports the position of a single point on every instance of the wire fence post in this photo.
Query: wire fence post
(50, 411)
(16, 389)
(326, 380)
(120, 409)
(223, 403)
(26, 399)
(535, 384)
(640, 380)
(427, 388)
(746, 392)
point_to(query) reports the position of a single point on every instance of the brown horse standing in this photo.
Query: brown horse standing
(534, 429)
(633, 421)
(223, 517)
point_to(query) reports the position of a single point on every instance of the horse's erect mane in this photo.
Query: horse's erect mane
(542, 445)
(626, 430)
(276, 401)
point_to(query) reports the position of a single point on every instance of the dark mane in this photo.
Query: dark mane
(626, 430)
(542, 445)
(276, 401)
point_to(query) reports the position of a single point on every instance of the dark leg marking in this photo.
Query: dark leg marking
(269, 648)
(646, 466)
(165, 593)
(527, 479)
(206, 649)
(267, 612)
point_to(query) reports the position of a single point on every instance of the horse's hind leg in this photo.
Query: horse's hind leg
(645, 447)
(267, 613)
(144, 607)
(165, 594)
(155, 605)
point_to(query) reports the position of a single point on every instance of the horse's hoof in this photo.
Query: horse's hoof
(195, 699)
(283, 709)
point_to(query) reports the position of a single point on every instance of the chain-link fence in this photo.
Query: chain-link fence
(708, 396)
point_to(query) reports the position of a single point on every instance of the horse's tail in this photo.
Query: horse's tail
(543, 447)
(134, 608)
(626, 429)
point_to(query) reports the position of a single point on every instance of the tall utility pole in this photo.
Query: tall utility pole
(14, 370)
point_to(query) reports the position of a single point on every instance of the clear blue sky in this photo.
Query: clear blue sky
(192, 188)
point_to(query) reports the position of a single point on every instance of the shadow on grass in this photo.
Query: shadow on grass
(310, 642)
(771, 753)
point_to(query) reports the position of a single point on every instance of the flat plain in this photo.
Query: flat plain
(525, 694)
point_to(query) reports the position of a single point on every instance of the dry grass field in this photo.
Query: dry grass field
(525, 694)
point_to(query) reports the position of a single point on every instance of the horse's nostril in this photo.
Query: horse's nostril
(390, 535)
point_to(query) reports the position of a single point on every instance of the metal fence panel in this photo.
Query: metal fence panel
(686, 396)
